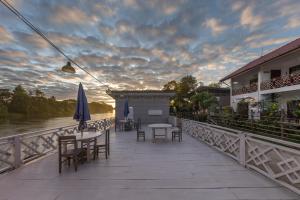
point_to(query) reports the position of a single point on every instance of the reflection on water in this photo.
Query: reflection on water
(17, 126)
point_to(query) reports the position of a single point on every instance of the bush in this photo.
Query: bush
(242, 109)
(3, 111)
(227, 111)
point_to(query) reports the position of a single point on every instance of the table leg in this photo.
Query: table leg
(88, 152)
(153, 134)
(166, 133)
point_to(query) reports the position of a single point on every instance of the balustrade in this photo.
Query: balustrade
(19, 149)
(283, 81)
(274, 158)
(246, 89)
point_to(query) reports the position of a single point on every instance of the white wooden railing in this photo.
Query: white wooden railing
(17, 150)
(276, 159)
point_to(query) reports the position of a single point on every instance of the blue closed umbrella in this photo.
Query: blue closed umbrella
(126, 109)
(82, 113)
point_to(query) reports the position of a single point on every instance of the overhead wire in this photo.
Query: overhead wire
(41, 34)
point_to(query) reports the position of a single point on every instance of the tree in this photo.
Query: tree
(20, 101)
(203, 101)
(5, 96)
(214, 85)
(187, 86)
(184, 89)
(39, 93)
(172, 85)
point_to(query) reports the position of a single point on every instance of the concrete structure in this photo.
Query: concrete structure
(143, 171)
(277, 72)
(151, 106)
(222, 94)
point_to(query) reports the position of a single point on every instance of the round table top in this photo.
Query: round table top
(88, 135)
(160, 125)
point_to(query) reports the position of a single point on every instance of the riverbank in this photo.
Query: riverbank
(18, 125)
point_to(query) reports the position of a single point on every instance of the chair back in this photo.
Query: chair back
(137, 126)
(65, 141)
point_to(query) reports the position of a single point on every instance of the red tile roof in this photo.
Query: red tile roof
(272, 55)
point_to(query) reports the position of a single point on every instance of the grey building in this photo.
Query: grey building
(151, 106)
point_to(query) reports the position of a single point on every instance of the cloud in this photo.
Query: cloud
(293, 22)
(237, 5)
(215, 26)
(31, 40)
(72, 15)
(5, 35)
(136, 44)
(270, 42)
(248, 19)
(169, 9)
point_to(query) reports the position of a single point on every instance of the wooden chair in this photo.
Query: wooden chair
(102, 148)
(139, 132)
(63, 152)
(177, 134)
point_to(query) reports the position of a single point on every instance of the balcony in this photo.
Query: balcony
(246, 89)
(283, 81)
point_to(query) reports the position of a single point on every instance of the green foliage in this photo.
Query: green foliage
(215, 85)
(227, 111)
(297, 111)
(184, 89)
(3, 110)
(272, 109)
(5, 96)
(170, 86)
(203, 101)
(242, 108)
(21, 102)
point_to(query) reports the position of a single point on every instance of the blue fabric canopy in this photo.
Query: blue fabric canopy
(82, 113)
(126, 109)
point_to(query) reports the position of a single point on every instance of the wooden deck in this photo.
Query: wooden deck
(142, 171)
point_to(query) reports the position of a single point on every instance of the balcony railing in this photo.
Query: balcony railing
(246, 89)
(16, 150)
(277, 159)
(283, 81)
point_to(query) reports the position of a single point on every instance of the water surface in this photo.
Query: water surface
(23, 125)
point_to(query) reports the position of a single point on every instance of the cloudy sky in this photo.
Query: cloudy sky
(138, 44)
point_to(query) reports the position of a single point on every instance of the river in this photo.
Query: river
(17, 126)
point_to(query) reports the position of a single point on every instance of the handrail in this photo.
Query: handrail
(279, 141)
(283, 81)
(42, 130)
(274, 158)
(18, 149)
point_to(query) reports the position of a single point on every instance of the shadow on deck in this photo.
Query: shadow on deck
(143, 170)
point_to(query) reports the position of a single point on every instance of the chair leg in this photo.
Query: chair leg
(106, 152)
(94, 153)
(59, 164)
(108, 143)
(75, 159)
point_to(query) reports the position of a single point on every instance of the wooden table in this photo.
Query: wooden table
(88, 137)
(159, 126)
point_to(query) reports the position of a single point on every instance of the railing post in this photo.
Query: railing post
(242, 157)
(17, 151)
